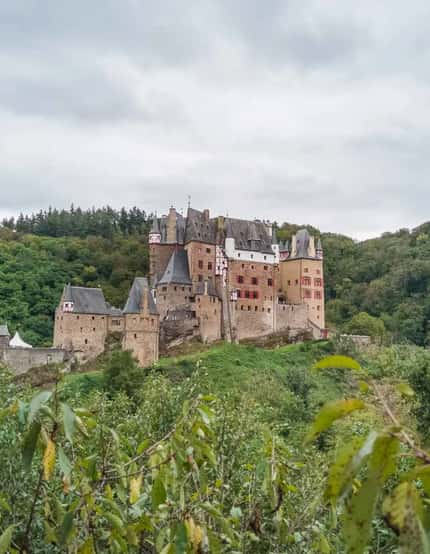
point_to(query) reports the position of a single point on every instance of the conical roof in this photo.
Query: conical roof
(134, 300)
(155, 229)
(177, 270)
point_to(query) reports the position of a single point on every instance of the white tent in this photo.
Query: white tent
(17, 342)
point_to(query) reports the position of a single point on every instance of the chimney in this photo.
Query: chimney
(206, 215)
(171, 225)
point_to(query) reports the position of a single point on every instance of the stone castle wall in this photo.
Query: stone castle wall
(20, 360)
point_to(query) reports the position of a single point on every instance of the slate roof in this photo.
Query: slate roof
(241, 230)
(302, 244)
(87, 300)
(4, 331)
(155, 226)
(199, 228)
(177, 270)
(134, 301)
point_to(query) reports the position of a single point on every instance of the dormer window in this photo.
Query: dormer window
(68, 307)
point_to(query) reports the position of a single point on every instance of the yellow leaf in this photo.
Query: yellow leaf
(135, 485)
(194, 532)
(49, 459)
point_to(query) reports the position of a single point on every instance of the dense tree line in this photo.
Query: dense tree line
(33, 271)
(104, 222)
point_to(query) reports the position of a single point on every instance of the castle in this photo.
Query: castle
(210, 278)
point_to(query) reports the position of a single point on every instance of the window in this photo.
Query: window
(243, 266)
(318, 281)
(247, 294)
(209, 265)
(318, 271)
(175, 288)
(306, 281)
(208, 250)
(254, 281)
(317, 294)
(270, 282)
(200, 278)
(318, 308)
(252, 256)
(296, 281)
(94, 329)
(240, 279)
(306, 270)
(265, 257)
(268, 310)
(289, 282)
(255, 294)
(252, 267)
(239, 293)
(242, 307)
(164, 289)
(256, 308)
(135, 335)
(86, 341)
(249, 308)
(238, 255)
(93, 318)
(307, 293)
(200, 264)
(265, 267)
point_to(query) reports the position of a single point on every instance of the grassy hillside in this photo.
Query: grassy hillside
(228, 424)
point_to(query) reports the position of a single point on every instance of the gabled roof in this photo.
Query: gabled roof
(4, 331)
(134, 303)
(177, 270)
(86, 300)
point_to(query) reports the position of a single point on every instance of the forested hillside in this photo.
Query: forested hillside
(387, 277)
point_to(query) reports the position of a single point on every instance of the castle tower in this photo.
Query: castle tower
(141, 326)
(302, 278)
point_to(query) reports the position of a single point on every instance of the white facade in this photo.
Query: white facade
(250, 256)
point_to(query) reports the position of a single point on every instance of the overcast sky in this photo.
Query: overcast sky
(306, 111)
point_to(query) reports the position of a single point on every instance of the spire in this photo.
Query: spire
(155, 229)
(274, 235)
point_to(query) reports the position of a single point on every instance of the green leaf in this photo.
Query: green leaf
(361, 508)
(66, 528)
(65, 464)
(29, 446)
(343, 469)
(116, 522)
(338, 362)
(330, 412)
(37, 402)
(405, 390)
(403, 511)
(158, 493)
(69, 421)
(181, 539)
(6, 539)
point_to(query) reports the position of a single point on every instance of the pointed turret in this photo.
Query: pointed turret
(319, 250)
(155, 233)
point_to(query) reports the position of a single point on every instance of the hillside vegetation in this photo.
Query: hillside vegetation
(387, 278)
(207, 453)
